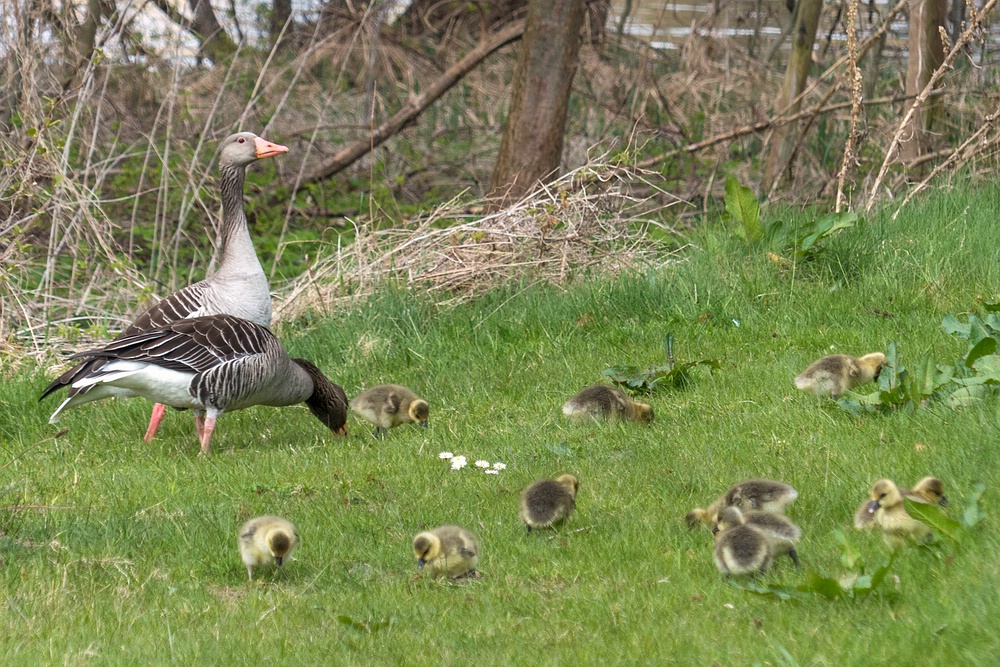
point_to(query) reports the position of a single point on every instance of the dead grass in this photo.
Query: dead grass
(588, 220)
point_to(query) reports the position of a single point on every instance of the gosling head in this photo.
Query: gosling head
(280, 544)
(696, 516)
(873, 363)
(885, 494)
(643, 412)
(419, 411)
(932, 489)
(728, 517)
(570, 483)
(426, 547)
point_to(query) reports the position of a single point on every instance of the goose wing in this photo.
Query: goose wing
(194, 345)
(184, 303)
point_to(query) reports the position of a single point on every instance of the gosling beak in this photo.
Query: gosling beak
(420, 563)
(943, 502)
(715, 529)
(267, 149)
(873, 507)
(424, 423)
(277, 560)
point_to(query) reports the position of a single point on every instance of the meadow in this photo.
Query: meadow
(113, 551)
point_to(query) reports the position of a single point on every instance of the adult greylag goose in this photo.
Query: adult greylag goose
(212, 364)
(239, 286)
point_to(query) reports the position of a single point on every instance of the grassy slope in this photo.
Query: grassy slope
(134, 558)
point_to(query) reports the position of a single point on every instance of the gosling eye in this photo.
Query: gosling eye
(882, 496)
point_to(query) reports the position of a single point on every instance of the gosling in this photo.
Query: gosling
(782, 533)
(927, 491)
(605, 402)
(836, 373)
(448, 551)
(267, 540)
(740, 549)
(548, 502)
(389, 405)
(890, 516)
(765, 495)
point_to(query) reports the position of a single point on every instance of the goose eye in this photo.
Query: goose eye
(241, 140)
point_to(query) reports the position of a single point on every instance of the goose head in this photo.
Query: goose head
(242, 148)
(328, 401)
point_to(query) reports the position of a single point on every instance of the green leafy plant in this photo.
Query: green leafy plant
(803, 239)
(648, 378)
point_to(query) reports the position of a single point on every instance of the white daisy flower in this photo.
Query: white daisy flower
(499, 466)
(458, 462)
(482, 464)
(445, 455)
(492, 472)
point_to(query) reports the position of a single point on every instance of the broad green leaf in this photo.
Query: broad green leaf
(850, 557)
(951, 325)
(922, 382)
(989, 367)
(745, 209)
(977, 331)
(974, 512)
(991, 307)
(828, 587)
(964, 396)
(983, 348)
(934, 516)
(877, 577)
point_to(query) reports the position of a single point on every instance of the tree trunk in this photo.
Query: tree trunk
(926, 55)
(281, 11)
(86, 34)
(215, 43)
(532, 143)
(784, 138)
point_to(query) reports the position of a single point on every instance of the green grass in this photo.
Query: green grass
(127, 553)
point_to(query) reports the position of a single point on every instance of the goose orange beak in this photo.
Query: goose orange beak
(267, 149)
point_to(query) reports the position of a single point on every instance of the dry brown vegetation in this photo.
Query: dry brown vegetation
(106, 180)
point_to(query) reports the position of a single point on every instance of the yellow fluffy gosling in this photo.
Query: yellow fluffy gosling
(389, 405)
(928, 491)
(448, 551)
(602, 401)
(834, 374)
(548, 501)
(890, 516)
(267, 540)
(765, 495)
(740, 549)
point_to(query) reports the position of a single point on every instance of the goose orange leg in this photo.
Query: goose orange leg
(159, 409)
(206, 435)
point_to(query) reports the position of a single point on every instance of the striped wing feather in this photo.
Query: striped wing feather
(195, 345)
